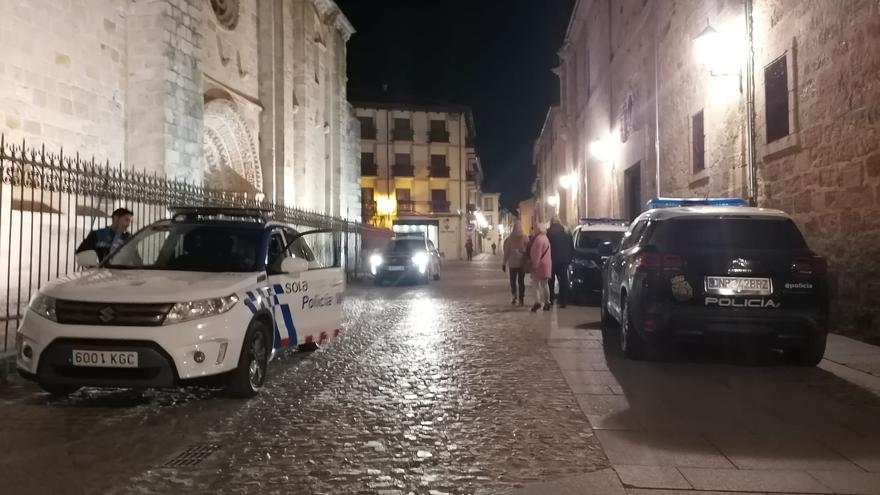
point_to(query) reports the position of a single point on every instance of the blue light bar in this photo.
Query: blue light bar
(675, 202)
(593, 220)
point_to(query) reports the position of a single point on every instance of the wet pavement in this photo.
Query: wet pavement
(447, 389)
(439, 389)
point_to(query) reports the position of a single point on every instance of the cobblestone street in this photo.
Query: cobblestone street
(447, 389)
(443, 388)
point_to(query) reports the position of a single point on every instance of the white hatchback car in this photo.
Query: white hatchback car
(209, 296)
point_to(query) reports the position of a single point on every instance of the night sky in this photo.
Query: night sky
(494, 56)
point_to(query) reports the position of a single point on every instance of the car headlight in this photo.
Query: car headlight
(44, 306)
(420, 259)
(376, 260)
(193, 310)
(586, 263)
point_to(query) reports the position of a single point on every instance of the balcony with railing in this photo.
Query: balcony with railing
(369, 169)
(470, 176)
(437, 171)
(435, 136)
(440, 206)
(400, 170)
(406, 206)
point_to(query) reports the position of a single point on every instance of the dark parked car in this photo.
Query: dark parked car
(406, 259)
(702, 271)
(585, 272)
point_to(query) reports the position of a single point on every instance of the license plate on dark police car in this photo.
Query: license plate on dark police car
(739, 286)
(105, 359)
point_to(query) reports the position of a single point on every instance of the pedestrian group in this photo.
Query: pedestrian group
(545, 256)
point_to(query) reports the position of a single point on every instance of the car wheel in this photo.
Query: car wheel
(631, 344)
(247, 380)
(811, 355)
(59, 390)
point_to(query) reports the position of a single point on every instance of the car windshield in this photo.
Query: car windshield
(734, 233)
(190, 247)
(594, 238)
(405, 246)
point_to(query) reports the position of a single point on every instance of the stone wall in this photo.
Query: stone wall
(231, 94)
(63, 75)
(829, 178)
(826, 173)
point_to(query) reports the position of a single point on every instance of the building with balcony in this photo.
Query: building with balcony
(420, 171)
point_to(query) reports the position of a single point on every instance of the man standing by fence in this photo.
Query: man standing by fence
(105, 241)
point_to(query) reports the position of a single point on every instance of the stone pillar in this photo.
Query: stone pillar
(164, 97)
(271, 51)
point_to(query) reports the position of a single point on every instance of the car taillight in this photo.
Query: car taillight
(810, 265)
(653, 261)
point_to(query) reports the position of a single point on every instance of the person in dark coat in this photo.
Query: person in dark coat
(561, 252)
(105, 241)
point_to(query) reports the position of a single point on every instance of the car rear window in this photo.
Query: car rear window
(592, 239)
(731, 233)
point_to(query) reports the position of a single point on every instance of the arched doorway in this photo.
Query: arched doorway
(231, 162)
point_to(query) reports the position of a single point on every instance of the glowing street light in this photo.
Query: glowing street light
(568, 181)
(553, 200)
(605, 150)
(719, 52)
(385, 205)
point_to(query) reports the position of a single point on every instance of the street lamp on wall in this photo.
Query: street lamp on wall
(606, 150)
(725, 53)
(568, 182)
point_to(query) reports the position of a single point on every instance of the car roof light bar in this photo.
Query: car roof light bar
(194, 213)
(595, 220)
(678, 202)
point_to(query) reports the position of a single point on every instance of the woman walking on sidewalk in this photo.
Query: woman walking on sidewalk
(514, 253)
(541, 268)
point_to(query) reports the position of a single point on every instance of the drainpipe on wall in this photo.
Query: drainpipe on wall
(657, 111)
(751, 170)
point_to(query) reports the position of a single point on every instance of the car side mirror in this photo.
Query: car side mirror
(606, 249)
(87, 259)
(294, 266)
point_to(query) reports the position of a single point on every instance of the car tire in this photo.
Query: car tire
(250, 375)
(811, 355)
(631, 343)
(59, 390)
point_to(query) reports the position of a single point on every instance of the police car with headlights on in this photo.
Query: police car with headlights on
(208, 296)
(585, 271)
(703, 268)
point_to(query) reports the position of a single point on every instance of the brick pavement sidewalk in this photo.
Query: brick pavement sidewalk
(692, 427)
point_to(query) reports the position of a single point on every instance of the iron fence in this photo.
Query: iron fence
(49, 202)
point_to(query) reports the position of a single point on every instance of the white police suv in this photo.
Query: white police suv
(207, 297)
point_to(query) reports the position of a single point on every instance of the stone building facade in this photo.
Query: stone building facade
(240, 95)
(556, 182)
(420, 172)
(815, 117)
